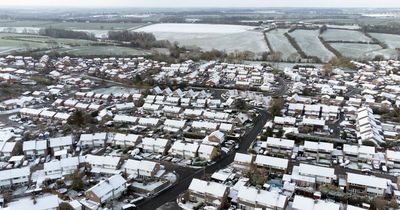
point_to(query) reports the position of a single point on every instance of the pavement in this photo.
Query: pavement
(186, 175)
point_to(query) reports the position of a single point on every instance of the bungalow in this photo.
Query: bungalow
(126, 140)
(103, 164)
(250, 198)
(211, 193)
(93, 140)
(243, 162)
(273, 164)
(107, 190)
(141, 169)
(159, 145)
(376, 186)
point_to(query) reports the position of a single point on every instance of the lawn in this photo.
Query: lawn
(279, 43)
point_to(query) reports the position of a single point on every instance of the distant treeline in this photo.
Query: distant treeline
(393, 28)
(66, 34)
(138, 39)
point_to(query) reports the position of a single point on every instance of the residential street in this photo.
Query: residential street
(172, 193)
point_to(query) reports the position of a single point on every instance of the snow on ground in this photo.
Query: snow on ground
(279, 43)
(196, 28)
(356, 51)
(311, 45)
(392, 40)
(229, 38)
(345, 35)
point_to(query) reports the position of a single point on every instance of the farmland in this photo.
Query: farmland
(19, 43)
(228, 38)
(392, 40)
(311, 45)
(354, 50)
(345, 35)
(280, 43)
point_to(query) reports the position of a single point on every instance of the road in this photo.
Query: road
(184, 181)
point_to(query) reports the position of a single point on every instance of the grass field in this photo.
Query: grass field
(356, 51)
(70, 25)
(280, 43)
(228, 38)
(392, 40)
(104, 51)
(345, 35)
(311, 45)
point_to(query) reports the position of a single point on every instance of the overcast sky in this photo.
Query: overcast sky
(203, 3)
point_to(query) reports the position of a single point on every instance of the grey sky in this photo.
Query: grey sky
(204, 3)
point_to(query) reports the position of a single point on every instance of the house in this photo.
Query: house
(243, 162)
(149, 122)
(174, 126)
(304, 203)
(159, 145)
(141, 169)
(305, 175)
(393, 158)
(250, 198)
(125, 119)
(9, 149)
(108, 165)
(359, 153)
(272, 164)
(368, 126)
(46, 202)
(61, 143)
(204, 126)
(184, 150)
(367, 184)
(318, 150)
(295, 109)
(207, 152)
(14, 177)
(215, 138)
(278, 147)
(35, 148)
(126, 140)
(211, 193)
(59, 168)
(93, 140)
(284, 121)
(107, 190)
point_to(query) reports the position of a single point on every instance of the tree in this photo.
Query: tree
(77, 182)
(241, 104)
(276, 107)
(327, 69)
(280, 133)
(343, 136)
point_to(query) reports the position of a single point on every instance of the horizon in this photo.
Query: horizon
(160, 4)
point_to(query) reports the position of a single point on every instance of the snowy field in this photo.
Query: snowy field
(209, 36)
(392, 40)
(345, 35)
(311, 45)
(279, 43)
(356, 51)
(352, 27)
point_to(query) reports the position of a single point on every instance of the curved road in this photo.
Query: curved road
(172, 193)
